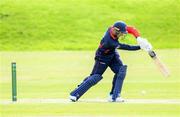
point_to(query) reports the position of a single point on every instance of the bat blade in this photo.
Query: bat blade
(164, 70)
(162, 67)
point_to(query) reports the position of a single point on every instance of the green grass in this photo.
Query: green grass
(80, 24)
(93, 109)
(54, 74)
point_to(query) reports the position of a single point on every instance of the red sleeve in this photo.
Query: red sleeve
(133, 31)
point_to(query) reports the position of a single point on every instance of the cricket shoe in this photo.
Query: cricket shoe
(73, 98)
(118, 99)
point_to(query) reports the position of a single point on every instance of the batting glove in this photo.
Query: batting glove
(144, 44)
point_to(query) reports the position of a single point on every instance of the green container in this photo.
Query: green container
(14, 85)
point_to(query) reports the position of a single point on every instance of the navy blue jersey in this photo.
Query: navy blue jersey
(109, 44)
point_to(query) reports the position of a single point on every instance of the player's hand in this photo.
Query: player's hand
(148, 47)
(144, 44)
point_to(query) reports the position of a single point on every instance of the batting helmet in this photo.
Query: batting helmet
(121, 26)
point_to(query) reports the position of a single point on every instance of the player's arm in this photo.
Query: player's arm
(133, 31)
(128, 47)
(143, 43)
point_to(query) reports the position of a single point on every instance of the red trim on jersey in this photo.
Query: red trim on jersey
(106, 51)
(111, 33)
(100, 45)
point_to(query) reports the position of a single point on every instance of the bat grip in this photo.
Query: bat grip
(152, 54)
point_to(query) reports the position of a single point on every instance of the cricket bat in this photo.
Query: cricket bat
(162, 68)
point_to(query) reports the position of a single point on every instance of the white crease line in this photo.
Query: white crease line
(66, 101)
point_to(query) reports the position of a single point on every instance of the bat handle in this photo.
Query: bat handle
(152, 54)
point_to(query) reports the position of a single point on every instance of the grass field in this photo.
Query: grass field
(52, 75)
(44, 38)
(80, 24)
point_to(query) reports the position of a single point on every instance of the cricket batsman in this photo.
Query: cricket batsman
(107, 56)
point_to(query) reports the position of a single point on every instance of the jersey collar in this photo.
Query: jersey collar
(113, 36)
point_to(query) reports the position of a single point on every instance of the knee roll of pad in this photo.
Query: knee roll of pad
(94, 79)
(122, 72)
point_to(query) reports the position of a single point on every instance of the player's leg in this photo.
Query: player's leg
(113, 83)
(120, 71)
(93, 79)
(115, 66)
(79, 91)
(119, 82)
(99, 68)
